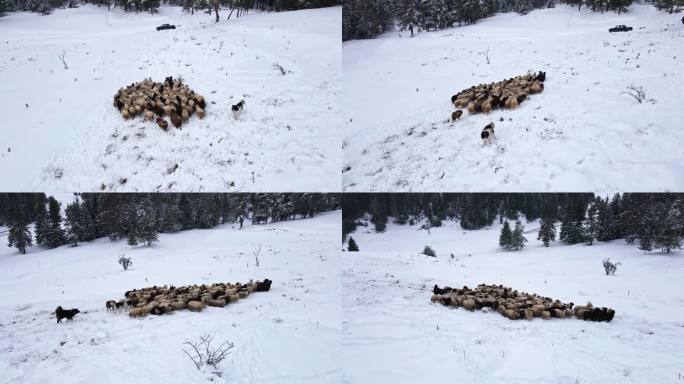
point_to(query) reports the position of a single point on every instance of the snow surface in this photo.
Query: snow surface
(70, 137)
(580, 134)
(288, 335)
(394, 334)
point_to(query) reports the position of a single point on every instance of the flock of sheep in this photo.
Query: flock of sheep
(160, 300)
(171, 98)
(506, 94)
(516, 305)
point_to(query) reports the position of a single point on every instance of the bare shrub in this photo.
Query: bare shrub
(639, 94)
(203, 353)
(609, 267)
(428, 251)
(125, 262)
(485, 54)
(256, 254)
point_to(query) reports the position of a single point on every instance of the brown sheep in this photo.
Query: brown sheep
(196, 306)
(456, 115)
(217, 303)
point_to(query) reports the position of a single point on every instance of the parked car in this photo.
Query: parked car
(620, 28)
(165, 26)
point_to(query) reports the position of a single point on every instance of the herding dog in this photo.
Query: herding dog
(65, 313)
(487, 134)
(237, 109)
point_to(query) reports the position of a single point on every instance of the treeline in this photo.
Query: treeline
(365, 19)
(140, 217)
(652, 221)
(242, 6)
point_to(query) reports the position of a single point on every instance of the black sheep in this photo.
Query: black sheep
(263, 286)
(541, 76)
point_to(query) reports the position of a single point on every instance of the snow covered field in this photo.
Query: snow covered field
(61, 131)
(288, 335)
(394, 334)
(581, 134)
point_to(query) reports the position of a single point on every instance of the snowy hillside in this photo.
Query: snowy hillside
(394, 334)
(581, 134)
(61, 131)
(287, 335)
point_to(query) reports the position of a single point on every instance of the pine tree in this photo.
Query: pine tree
(646, 242)
(352, 246)
(379, 213)
(518, 240)
(669, 231)
(506, 237)
(54, 236)
(547, 231)
(19, 236)
(74, 230)
(591, 225)
(147, 227)
(41, 224)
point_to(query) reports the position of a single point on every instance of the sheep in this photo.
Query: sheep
(137, 312)
(110, 304)
(217, 303)
(264, 286)
(511, 103)
(456, 115)
(469, 304)
(196, 306)
(175, 119)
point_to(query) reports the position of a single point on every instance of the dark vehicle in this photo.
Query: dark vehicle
(620, 28)
(165, 26)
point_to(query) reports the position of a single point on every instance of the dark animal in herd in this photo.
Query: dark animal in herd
(516, 305)
(620, 28)
(165, 26)
(171, 98)
(65, 313)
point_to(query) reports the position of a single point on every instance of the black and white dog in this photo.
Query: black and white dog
(237, 109)
(487, 134)
(65, 313)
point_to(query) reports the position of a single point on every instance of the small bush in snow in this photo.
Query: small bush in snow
(427, 251)
(125, 262)
(203, 353)
(609, 267)
(352, 246)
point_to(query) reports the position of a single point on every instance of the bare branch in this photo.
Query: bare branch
(485, 54)
(62, 57)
